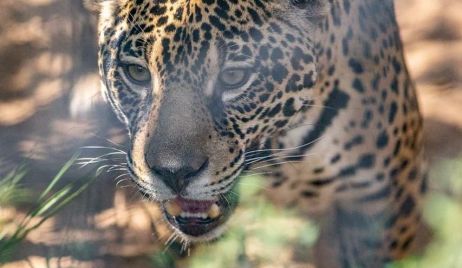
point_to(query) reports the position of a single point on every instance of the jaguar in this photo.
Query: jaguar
(314, 94)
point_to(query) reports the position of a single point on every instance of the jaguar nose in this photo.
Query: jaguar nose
(177, 174)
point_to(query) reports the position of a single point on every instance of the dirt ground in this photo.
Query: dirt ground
(50, 107)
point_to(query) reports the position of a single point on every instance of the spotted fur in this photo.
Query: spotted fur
(330, 114)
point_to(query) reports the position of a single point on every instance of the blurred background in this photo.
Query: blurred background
(50, 108)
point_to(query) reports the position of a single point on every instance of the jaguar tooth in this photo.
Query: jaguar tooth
(173, 208)
(214, 211)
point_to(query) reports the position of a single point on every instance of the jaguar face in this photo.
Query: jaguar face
(199, 84)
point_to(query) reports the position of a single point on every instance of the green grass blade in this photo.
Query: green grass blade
(50, 202)
(11, 191)
(58, 177)
(71, 197)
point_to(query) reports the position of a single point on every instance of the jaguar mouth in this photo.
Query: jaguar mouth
(199, 219)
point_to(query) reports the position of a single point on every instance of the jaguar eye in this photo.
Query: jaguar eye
(137, 74)
(234, 77)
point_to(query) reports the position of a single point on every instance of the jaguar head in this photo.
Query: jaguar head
(199, 85)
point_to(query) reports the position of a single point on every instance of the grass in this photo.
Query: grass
(49, 203)
(11, 190)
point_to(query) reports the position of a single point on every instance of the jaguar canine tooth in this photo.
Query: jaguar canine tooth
(173, 208)
(214, 211)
